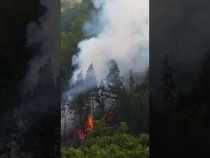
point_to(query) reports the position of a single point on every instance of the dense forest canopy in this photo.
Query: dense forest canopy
(127, 100)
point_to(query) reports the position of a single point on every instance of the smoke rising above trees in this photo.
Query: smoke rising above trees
(121, 33)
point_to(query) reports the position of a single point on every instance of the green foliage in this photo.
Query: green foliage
(109, 142)
(72, 21)
(73, 18)
(123, 127)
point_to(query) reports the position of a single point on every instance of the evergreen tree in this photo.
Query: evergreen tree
(101, 99)
(114, 84)
(113, 78)
(131, 80)
(90, 79)
(91, 85)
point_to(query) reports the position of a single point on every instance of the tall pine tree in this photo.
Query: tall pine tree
(114, 84)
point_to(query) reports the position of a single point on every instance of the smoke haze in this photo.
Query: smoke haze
(44, 42)
(122, 34)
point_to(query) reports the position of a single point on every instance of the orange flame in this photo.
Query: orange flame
(89, 124)
(82, 133)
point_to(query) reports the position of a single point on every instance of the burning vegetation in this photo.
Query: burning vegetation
(106, 140)
(89, 125)
(111, 102)
(83, 132)
(99, 101)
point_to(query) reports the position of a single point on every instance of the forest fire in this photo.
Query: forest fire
(89, 125)
(82, 133)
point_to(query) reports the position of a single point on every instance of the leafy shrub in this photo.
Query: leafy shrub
(116, 143)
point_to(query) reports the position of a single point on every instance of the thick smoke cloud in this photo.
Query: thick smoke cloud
(122, 34)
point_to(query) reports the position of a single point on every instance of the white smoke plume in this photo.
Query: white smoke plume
(122, 35)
